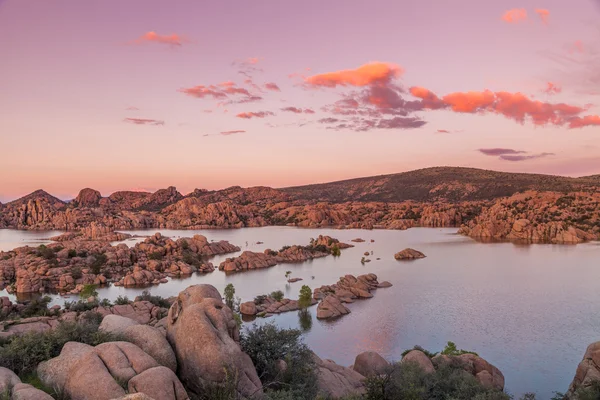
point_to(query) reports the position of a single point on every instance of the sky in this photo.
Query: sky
(145, 94)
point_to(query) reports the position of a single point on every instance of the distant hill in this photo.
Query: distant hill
(439, 183)
(37, 195)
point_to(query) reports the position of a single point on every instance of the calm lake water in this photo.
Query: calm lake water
(531, 310)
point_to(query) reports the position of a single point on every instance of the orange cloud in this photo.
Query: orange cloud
(375, 72)
(588, 120)
(144, 121)
(544, 14)
(515, 15)
(552, 88)
(515, 106)
(153, 37)
(259, 114)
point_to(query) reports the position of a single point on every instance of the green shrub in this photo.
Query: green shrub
(260, 298)
(451, 350)
(122, 300)
(266, 345)
(409, 381)
(80, 305)
(76, 273)
(45, 252)
(591, 392)
(335, 251)
(157, 255)
(88, 291)
(305, 298)
(277, 295)
(72, 253)
(99, 261)
(156, 300)
(426, 352)
(36, 307)
(23, 353)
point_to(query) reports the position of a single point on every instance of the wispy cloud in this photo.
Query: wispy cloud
(144, 121)
(512, 155)
(234, 132)
(132, 108)
(297, 110)
(544, 14)
(515, 15)
(258, 114)
(552, 88)
(153, 37)
(272, 86)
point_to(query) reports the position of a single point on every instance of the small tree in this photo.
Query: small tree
(277, 295)
(88, 291)
(288, 274)
(335, 251)
(305, 298)
(229, 293)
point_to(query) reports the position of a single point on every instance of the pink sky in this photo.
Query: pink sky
(120, 95)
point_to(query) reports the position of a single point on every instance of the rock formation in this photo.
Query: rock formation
(12, 387)
(204, 335)
(409, 254)
(588, 372)
(371, 363)
(99, 373)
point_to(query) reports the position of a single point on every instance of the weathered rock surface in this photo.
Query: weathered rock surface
(321, 247)
(96, 373)
(331, 307)
(370, 363)
(421, 359)
(204, 335)
(588, 371)
(336, 381)
(12, 388)
(487, 374)
(409, 254)
(154, 343)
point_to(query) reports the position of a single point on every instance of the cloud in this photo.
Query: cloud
(552, 88)
(515, 106)
(144, 121)
(153, 37)
(227, 133)
(515, 15)
(328, 120)
(248, 66)
(449, 131)
(228, 92)
(499, 151)
(524, 158)
(272, 86)
(297, 110)
(544, 14)
(132, 108)
(360, 124)
(375, 72)
(258, 114)
(512, 155)
(588, 120)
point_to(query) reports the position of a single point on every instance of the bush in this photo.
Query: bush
(408, 381)
(260, 298)
(72, 253)
(277, 295)
(156, 300)
(426, 352)
(80, 305)
(36, 307)
(99, 261)
(268, 344)
(23, 353)
(122, 300)
(157, 255)
(76, 273)
(88, 291)
(335, 251)
(45, 252)
(451, 350)
(305, 298)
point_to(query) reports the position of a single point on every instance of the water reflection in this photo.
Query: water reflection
(305, 320)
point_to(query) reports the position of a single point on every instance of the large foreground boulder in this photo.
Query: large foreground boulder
(84, 372)
(335, 381)
(12, 388)
(370, 363)
(420, 358)
(205, 337)
(588, 371)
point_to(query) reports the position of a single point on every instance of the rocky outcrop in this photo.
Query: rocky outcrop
(421, 359)
(346, 290)
(88, 198)
(587, 373)
(371, 363)
(204, 335)
(12, 387)
(102, 372)
(485, 373)
(266, 306)
(320, 247)
(70, 264)
(409, 254)
(95, 231)
(335, 381)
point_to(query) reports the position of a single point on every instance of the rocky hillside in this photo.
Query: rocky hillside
(451, 184)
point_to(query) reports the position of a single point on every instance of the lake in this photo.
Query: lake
(531, 310)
